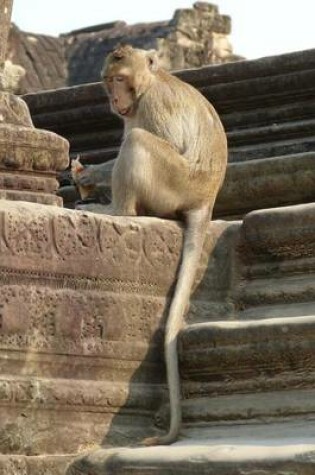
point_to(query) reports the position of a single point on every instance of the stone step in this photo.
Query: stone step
(297, 290)
(267, 140)
(267, 149)
(243, 407)
(271, 88)
(257, 449)
(266, 183)
(244, 70)
(101, 129)
(96, 139)
(280, 236)
(272, 132)
(227, 355)
(255, 370)
(265, 115)
(290, 309)
(34, 465)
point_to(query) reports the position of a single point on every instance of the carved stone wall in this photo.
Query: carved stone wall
(81, 298)
(82, 301)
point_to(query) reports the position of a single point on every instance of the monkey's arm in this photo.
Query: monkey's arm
(96, 174)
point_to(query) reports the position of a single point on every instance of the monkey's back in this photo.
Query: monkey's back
(178, 113)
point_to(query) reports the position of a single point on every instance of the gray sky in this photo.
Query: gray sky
(259, 27)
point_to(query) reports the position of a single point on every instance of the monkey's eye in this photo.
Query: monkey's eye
(120, 78)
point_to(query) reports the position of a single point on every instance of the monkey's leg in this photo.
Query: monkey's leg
(149, 174)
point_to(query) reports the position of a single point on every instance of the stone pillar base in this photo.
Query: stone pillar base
(29, 158)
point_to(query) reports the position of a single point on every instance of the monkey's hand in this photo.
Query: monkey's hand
(91, 175)
(96, 174)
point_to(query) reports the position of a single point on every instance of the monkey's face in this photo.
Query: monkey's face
(121, 94)
(127, 74)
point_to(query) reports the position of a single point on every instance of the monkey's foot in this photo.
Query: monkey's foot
(149, 441)
(160, 440)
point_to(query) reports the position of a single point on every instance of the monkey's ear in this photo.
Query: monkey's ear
(152, 60)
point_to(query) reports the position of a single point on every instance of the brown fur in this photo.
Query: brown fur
(171, 163)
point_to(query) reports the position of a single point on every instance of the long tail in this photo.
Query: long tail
(194, 237)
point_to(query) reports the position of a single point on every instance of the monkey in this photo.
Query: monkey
(171, 163)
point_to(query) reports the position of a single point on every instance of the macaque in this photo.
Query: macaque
(171, 163)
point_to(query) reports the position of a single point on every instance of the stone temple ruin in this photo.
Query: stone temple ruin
(82, 296)
(192, 38)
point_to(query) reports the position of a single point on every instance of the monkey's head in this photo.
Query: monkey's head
(127, 74)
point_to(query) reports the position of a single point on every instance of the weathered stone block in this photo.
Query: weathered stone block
(29, 158)
(82, 307)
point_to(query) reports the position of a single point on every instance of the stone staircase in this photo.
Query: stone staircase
(83, 366)
(248, 379)
(246, 354)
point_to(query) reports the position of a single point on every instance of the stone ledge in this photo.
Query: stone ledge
(250, 450)
(71, 243)
(76, 244)
(23, 465)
